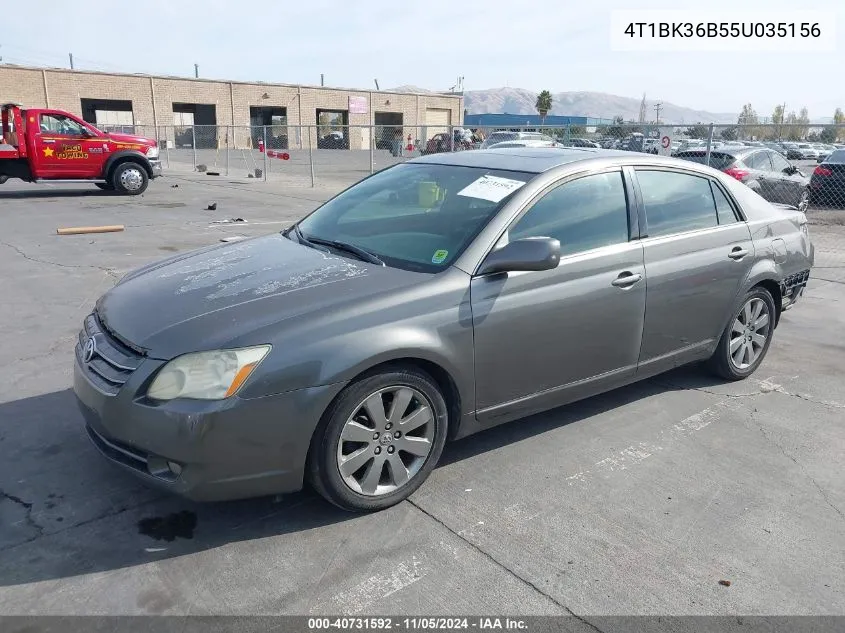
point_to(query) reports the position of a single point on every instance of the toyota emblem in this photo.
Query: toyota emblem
(89, 351)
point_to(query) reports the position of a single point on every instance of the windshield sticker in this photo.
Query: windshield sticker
(439, 256)
(492, 188)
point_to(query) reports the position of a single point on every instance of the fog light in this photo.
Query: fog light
(175, 468)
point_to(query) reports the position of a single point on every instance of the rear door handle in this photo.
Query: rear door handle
(738, 253)
(626, 279)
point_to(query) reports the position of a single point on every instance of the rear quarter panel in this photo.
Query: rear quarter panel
(781, 246)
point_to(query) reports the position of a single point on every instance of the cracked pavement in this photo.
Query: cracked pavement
(635, 502)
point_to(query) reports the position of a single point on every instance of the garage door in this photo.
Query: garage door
(437, 120)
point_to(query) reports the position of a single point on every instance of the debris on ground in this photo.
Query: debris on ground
(259, 173)
(725, 583)
(212, 206)
(202, 167)
(212, 173)
(173, 186)
(229, 221)
(250, 176)
(80, 230)
(233, 238)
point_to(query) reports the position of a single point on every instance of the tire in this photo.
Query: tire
(130, 179)
(348, 429)
(105, 186)
(3, 179)
(745, 360)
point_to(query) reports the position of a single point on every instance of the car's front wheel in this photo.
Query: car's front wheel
(130, 179)
(379, 440)
(746, 339)
(803, 203)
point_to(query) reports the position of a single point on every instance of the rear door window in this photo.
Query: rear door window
(759, 161)
(676, 202)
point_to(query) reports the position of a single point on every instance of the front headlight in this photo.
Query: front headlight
(206, 375)
(152, 153)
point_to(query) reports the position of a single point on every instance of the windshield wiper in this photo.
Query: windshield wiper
(359, 252)
(315, 242)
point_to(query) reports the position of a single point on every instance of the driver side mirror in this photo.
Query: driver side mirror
(530, 253)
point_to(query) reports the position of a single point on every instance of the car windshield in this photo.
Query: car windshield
(718, 160)
(415, 216)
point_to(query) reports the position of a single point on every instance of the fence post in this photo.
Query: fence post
(310, 155)
(265, 153)
(709, 144)
(166, 148)
(372, 150)
(194, 144)
(227, 148)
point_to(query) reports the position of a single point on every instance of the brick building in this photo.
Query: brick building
(212, 112)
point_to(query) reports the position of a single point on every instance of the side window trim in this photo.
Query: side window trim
(539, 195)
(734, 206)
(687, 172)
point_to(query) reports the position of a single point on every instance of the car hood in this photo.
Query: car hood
(131, 139)
(217, 296)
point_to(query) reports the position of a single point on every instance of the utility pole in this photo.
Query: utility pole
(196, 71)
(657, 109)
(322, 79)
(70, 56)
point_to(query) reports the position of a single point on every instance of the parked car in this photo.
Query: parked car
(441, 142)
(506, 135)
(333, 140)
(581, 142)
(765, 171)
(793, 152)
(436, 298)
(824, 151)
(827, 182)
(527, 142)
(808, 151)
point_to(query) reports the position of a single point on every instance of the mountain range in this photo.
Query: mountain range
(589, 104)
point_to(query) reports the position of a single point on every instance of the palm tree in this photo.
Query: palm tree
(544, 104)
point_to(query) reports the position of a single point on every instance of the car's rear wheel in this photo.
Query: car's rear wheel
(130, 179)
(746, 339)
(379, 440)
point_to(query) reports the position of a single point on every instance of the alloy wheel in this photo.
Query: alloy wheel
(749, 333)
(131, 179)
(386, 440)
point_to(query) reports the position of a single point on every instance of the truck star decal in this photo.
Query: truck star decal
(48, 151)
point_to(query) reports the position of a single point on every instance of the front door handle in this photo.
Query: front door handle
(626, 279)
(48, 140)
(738, 253)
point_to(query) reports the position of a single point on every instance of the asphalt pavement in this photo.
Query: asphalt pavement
(639, 501)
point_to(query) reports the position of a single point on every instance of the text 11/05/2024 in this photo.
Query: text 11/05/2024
(688, 31)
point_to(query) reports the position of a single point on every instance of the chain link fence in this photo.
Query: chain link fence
(794, 164)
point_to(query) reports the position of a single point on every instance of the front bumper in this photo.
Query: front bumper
(203, 450)
(156, 168)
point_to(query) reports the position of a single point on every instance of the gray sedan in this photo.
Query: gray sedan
(430, 301)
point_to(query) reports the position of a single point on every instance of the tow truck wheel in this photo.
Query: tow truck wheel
(3, 179)
(105, 186)
(130, 179)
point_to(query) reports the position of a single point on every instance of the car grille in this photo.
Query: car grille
(112, 362)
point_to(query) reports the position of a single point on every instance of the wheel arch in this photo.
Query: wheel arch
(126, 156)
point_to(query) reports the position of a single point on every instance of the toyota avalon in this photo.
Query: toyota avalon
(432, 300)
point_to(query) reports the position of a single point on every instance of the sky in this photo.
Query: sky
(554, 45)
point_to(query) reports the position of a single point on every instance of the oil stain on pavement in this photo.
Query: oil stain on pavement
(170, 527)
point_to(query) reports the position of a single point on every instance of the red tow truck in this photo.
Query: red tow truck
(43, 145)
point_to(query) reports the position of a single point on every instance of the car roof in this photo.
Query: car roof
(527, 159)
